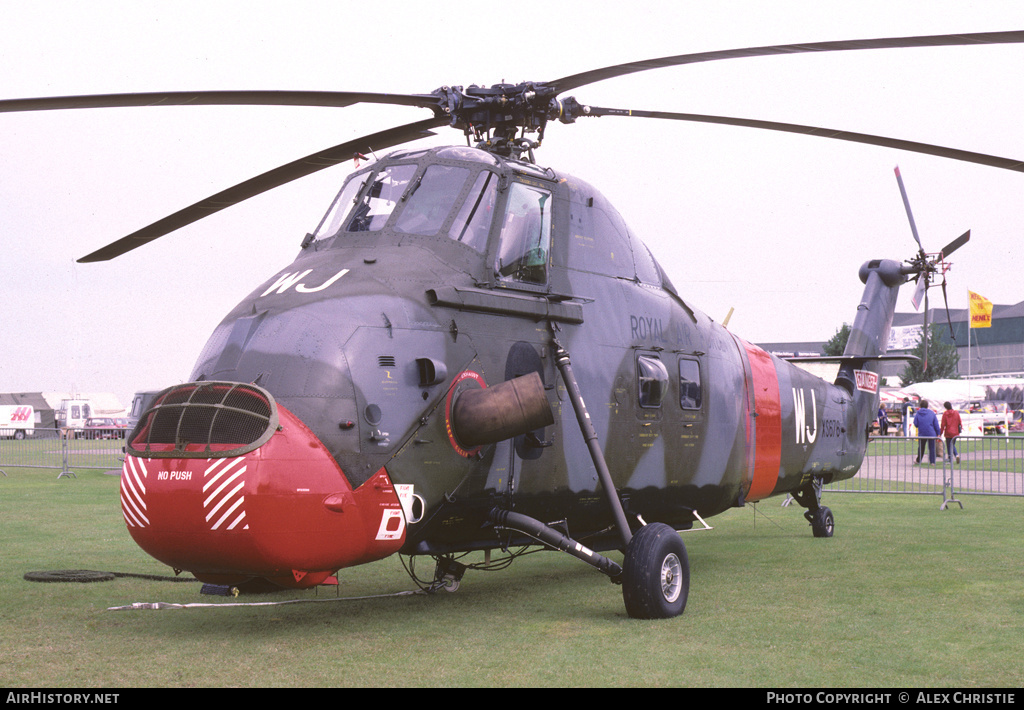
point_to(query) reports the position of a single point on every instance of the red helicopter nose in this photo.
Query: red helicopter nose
(223, 482)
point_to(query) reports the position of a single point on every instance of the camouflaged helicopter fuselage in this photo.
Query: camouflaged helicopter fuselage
(372, 333)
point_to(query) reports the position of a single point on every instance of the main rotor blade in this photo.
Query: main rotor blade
(956, 244)
(589, 77)
(268, 180)
(334, 99)
(897, 143)
(906, 206)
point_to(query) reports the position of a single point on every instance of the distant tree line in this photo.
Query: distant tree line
(942, 363)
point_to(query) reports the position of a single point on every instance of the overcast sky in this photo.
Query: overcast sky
(773, 225)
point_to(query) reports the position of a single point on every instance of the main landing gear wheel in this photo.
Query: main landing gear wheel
(822, 522)
(820, 517)
(655, 573)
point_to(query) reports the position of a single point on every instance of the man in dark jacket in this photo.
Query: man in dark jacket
(905, 416)
(927, 431)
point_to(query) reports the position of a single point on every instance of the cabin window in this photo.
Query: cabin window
(652, 378)
(430, 200)
(689, 384)
(473, 222)
(380, 199)
(525, 235)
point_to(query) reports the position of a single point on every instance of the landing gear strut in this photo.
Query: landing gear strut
(820, 517)
(655, 573)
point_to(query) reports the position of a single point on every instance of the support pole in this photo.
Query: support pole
(590, 435)
(947, 482)
(65, 454)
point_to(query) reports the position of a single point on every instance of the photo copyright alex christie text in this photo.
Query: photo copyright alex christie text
(904, 697)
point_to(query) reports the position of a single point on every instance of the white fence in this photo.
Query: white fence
(986, 465)
(64, 450)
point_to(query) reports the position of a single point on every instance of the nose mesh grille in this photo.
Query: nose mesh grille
(205, 420)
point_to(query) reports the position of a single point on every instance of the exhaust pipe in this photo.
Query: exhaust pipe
(503, 411)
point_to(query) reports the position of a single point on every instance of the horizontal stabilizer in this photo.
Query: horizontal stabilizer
(854, 360)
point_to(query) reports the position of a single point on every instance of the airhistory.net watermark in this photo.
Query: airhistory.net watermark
(51, 698)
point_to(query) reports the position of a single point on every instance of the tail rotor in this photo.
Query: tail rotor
(928, 267)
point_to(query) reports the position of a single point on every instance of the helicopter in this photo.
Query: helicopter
(473, 352)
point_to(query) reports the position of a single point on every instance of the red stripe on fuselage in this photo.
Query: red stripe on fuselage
(767, 423)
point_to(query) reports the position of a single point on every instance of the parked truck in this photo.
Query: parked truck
(17, 421)
(140, 403)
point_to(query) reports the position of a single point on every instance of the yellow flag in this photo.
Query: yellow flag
(981, 311)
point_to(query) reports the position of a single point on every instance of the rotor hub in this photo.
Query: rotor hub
(500, 116)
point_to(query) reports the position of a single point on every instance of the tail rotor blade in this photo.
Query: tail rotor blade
(920, 291)
(906, 204)
(956, 244)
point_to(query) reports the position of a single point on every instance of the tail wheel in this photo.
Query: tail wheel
(822, 523)
(655, 573)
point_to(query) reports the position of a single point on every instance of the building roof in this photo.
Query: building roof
(937, 314)
(32, 399)
(103, 403)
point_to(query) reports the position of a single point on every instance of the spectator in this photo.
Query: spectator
(883, 421)
(951, 428)
(927, 431)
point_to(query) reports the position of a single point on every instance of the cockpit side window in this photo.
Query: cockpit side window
(647, 270)
(430, 200)
(525, 235)
(596, 243)
(473, 222)
(380, 199)
(341, 207)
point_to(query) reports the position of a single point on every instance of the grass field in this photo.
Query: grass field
(904, 595)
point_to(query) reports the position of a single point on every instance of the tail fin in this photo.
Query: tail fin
(869, 337)
(866, 346)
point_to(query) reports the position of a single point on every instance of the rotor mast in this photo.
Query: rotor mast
(500, 116)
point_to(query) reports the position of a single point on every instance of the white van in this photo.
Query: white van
(17, 421)
(73, 413)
